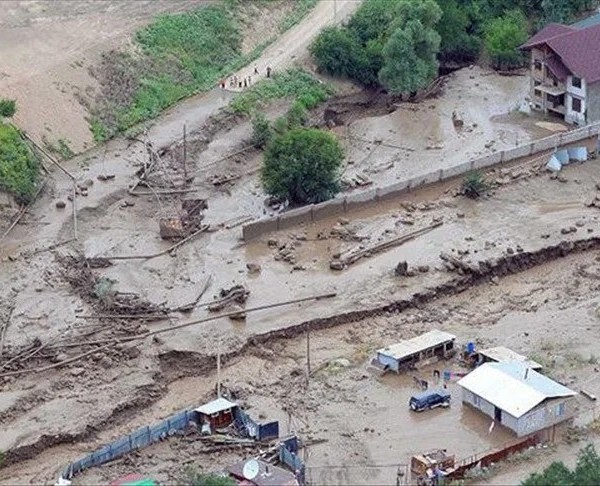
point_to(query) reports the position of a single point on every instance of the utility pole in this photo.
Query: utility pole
(185, 175)
(307, 353)
(219, 373)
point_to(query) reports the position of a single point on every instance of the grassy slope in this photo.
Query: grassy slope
(179, 55)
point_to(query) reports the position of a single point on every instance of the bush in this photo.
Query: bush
(262, 133)
(302, 165)
(19, 168)
(503, 36)
(193, 478)
(457, 43)
(7, 107)
(474, 185)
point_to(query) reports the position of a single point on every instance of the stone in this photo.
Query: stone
(336, 265)
(253, 268)
(61, 204)
(510, 251)
(460, 215)
(401, 269)
(272, 242)
(411, 272)
(344, 221)
(580, 224)
(89, 182)
(423, 268)
(77, 371)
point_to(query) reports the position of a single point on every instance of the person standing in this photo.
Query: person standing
(268, 71)
(245, 83)
(255, 70)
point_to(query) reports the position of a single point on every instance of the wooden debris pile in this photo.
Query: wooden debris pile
(77, 271)
(238, 294)
(187, 222)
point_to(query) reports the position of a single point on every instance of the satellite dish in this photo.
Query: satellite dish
(251, 469)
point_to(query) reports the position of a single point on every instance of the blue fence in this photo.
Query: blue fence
(292, 460)
(142, 437)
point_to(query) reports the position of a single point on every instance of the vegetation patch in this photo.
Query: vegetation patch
(19, 166)
(294, 84)
(301, 8)
(586, 471)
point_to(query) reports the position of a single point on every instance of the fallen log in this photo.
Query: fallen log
(189, 307)
(160, 253)
(353, 256)
(24, 210)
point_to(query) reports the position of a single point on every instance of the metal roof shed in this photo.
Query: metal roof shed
(516, 396)
(500, 354)
(216, 406)
(412, 350)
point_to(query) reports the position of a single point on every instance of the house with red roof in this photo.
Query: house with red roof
(565, 71)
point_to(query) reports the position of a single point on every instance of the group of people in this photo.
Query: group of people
(235, 82)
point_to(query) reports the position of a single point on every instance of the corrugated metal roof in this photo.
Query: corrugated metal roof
(588, 22)
(215, 406)
(502, 354)
(548, 32)
(407, 348)
(505, 386)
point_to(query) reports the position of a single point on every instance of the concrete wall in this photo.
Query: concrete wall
(593, 102)
(587, 136)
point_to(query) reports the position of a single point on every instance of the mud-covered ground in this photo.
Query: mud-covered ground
(56, 415)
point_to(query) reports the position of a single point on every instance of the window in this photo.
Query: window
(576, 82)
(537, 64)
(576, 105)
(560, 409)
(537, 93)
(537, 83)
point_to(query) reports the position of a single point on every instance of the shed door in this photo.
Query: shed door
(497, 415)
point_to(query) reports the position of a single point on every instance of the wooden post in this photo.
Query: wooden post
(185, 174)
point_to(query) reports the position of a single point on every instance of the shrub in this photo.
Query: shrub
(474, 185)
(7, 107)
(586, 471)
(262, 133)
(19, 168)
(302, 165)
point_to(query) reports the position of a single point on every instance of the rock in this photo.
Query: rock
(562, 179)
(564, 231)
(343, 362)
(460, 215)
(77, 371)
(401, 269)
(408, 220)
(423, 268)
(580, 224)
(299, 267)
(519, 249)
(272, 242)
(105, 362)
(240, 316)
(253, 268)
(510, 251)
(495, 280)
(411, 272)
(339, 230)
(60, 204)
(572, 229)
(89, 182)
(344, 221)
(336, 265)
(132, 352)
(545, 236)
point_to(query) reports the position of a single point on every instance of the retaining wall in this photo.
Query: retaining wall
(353, 201)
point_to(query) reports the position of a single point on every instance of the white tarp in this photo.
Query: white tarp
(553, 164)
(578, 153)
(562, 156)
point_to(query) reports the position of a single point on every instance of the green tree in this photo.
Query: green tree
(586, 472)
(503, 36)
(458, 42)
(373, 19)
(410, 59)
(7, 107)
(303, 166)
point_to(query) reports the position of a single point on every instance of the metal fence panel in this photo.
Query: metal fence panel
(268, 431)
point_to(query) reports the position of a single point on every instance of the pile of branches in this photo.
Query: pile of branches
(98, 291)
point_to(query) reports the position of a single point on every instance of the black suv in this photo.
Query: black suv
(429, 399)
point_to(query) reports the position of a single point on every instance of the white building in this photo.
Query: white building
(517, 397)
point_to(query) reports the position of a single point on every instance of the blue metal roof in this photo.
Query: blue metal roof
(588, 22)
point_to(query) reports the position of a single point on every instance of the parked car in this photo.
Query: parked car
(429, 399)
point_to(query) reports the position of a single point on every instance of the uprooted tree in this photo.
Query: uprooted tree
(302, 165)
